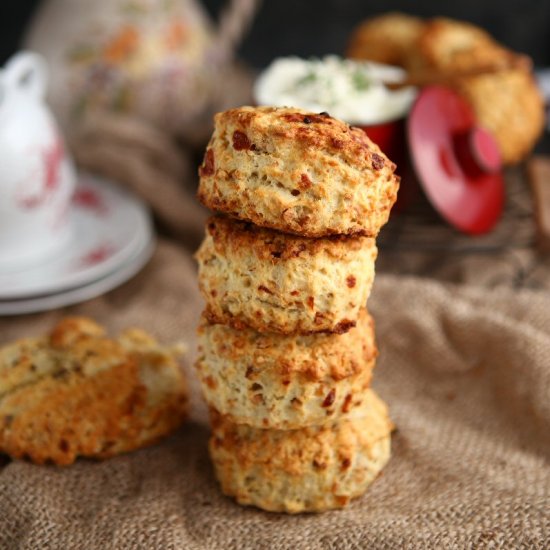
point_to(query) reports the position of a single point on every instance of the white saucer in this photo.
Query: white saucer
(82, 293)
(109, 228)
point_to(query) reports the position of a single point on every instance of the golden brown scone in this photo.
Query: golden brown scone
(275, 282)
(496, 82)
(451, 46)
(509, 104)
(286, 382)
(307, 470)
(296, 172)
(386, 38)
(76, 393)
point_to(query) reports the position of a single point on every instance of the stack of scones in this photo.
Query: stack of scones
(286, 344)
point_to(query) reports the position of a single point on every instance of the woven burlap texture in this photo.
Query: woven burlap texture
(465, 370)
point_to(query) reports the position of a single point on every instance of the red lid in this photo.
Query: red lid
(458, 163)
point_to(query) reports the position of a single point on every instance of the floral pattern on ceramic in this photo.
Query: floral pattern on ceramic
(157, 59)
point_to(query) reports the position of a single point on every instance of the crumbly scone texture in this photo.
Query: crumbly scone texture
(386, 38)
(275, 282)
(297, 172)
(286, 382)
(76, 392)
(509, 104)
(308, 470)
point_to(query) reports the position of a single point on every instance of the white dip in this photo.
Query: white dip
(350, 90)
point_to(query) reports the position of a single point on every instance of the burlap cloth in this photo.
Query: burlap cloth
(464, 368)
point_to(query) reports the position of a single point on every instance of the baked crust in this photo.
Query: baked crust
(274, 282)
(509, 104)
(297, 172)
(77, 392)
(495, 81)
(451, 46)
(286, 382)
(308, 470)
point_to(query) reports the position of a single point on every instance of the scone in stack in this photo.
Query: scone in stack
(286, 345)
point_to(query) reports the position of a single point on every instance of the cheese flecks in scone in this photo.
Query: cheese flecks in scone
(306, 470)
(297, 172)
(274, 282)
(286, 382)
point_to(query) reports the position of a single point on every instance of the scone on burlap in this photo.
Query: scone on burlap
(307, 470)
(296, 172)
(274, 282)
(286, 382)
(76, 392)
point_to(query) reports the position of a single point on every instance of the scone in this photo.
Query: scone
(307, 470)
(76, 393)
(455, 47)
(297, 172)
(386, 38)
(495, 81)
(286, 382)
(509, 104)
(274, 282)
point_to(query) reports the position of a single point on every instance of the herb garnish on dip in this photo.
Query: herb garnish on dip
(353, 91)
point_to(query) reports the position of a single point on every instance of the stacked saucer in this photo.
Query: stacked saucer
(110, 240)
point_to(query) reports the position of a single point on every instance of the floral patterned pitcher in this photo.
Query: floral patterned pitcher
(157, 59)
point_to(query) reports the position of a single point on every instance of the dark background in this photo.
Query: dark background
(317, 27)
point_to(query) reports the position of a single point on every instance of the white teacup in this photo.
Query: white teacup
(36, 176)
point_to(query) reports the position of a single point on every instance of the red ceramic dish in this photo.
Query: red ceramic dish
(391, 138)
(457, 163)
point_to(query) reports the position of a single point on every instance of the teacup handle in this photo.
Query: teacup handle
(27, 71)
